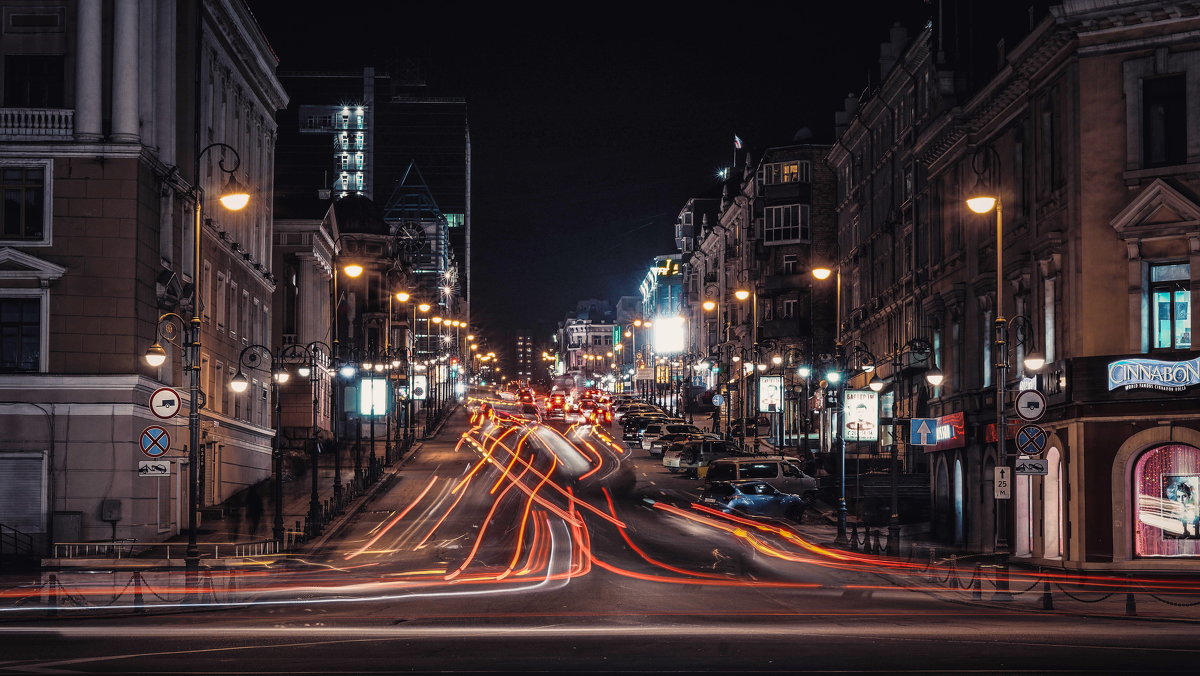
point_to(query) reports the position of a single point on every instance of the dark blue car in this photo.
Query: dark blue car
(756, 498)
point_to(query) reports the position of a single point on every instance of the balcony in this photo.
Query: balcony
(37, 124)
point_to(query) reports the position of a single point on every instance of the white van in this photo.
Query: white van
(781, 472)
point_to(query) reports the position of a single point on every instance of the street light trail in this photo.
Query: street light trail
(394, 521)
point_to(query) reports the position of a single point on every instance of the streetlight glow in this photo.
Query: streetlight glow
(981, 204)
(239, 383)
(155, 355)
(234, 196)
(741, 294)
(402, 296)
(353, 270)
(822, 273)
(709, 305)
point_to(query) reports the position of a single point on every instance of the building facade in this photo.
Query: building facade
(99, 136)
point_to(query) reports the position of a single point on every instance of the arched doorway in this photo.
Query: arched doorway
(943, 520)
(1052, 506)
(1166, 501)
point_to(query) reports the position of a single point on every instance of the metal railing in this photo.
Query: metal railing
(127, 549)
(31, 124)
(14, 543)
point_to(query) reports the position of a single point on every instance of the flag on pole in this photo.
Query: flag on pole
(737, 142)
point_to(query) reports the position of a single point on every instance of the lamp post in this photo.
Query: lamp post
(250, 357)
(847, 353)
(985, 199)
(924, 350)
(234, 197)
(310, 370)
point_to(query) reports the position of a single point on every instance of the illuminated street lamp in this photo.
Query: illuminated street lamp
(234, 196)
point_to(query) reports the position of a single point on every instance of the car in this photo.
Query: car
(746, 426)
(525, 396)
(692, 454)
(659, 445)
(656, 430)
(557, 401)
(633, 425)
(754, 498)
(782, 472)
(528, 412)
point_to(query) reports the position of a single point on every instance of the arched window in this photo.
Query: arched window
(1166, 489)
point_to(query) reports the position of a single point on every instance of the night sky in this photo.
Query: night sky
(592, 125)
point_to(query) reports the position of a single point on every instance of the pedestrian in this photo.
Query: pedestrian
(254, 509)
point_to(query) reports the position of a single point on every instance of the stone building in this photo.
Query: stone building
(1083, 128)
(99, 136)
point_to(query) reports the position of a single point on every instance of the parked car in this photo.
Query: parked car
(634, 424)
(745, 426)
(656, 430)
(689, 456)
(783, 473)
(755, 498)
(667, 440)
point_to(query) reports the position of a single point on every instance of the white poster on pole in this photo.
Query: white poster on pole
(861, 416)
(770, 394)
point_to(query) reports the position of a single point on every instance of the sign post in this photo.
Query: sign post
(1002, 482)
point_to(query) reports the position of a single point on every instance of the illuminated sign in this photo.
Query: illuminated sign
(1172, 376)
(861, 416)
(950, 432)
(420, 386)
(372, 396)
(670, 334)
(770, 394)
(668, 268)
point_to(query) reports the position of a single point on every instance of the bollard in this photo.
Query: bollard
(139, 604)
(1002, 593)
(52, 595)
(1130, 601)
(878, 547)
(952, 578)
(977, 584)
(1047, 598)
(854, 537)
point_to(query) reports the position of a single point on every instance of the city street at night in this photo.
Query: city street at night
(469, 338)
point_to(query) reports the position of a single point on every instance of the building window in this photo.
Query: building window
(804, 171)
(1048, 318)
(20, 333)
(789, 223)
(789, 264)
(1170, 306)
(1164, 121)
(986, 348)
(1166, 484)
(785, 172)
(789, 308)
(34, 81)
(24, 218)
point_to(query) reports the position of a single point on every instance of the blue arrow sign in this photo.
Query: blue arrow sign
(922, 431)
(155, 441)
(1031, 439)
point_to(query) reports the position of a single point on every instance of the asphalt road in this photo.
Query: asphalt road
(520, 548)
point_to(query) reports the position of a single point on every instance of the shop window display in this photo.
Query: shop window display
(1166, 482)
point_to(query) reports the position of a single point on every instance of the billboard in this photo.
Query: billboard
(861, 416)
(373, 396)
(670, 335)
(420, 386)
(770, 394)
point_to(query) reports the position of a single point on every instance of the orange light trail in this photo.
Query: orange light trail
(394, 520)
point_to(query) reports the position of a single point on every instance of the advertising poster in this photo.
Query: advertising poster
(420, 386)
(861, 416)
(770, 394)
(1167, 479)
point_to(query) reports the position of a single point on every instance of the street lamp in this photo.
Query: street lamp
(983, 200)
(250, 357)
(233, 196)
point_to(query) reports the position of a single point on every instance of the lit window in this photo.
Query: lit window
(1170, 306)
(1167, 484)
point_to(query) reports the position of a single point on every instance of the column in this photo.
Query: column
(125, 72)
(87, 72)
(164, 83)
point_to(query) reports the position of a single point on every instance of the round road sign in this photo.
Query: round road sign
(165, 403)
(1031, 440)
(155, 441)
(718, 400)
(1031, 405)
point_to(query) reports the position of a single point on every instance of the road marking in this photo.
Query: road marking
(653, 484)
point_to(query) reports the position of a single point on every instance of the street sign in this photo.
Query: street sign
(1035, 466)
(1031, 405)
(165, 403)
(420, 386)
(154, 468)
(922, 431)
(155, 441)
(1002, 482)
(1031, 440)
(718, 400)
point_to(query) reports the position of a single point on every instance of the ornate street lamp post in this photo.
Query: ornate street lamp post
(234, 196)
